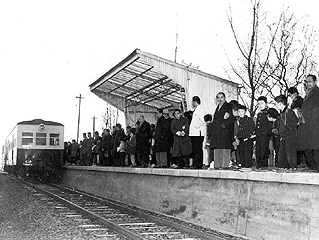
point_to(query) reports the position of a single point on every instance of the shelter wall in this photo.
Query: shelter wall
(257, 205)
(195, 84)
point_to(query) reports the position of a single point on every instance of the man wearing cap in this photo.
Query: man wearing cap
(197, 132)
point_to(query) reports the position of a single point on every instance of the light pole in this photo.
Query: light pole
(77, 135)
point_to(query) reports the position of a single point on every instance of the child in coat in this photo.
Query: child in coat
(288, 122)
(246, 129)
(131, 146)
(121, 149)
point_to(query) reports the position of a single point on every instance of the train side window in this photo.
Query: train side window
(41, 139)
(54, 139)
(27, 138)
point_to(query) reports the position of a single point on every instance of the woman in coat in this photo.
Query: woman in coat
(182, 145)
(222, 132)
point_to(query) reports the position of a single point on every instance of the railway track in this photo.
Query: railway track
(107, 219)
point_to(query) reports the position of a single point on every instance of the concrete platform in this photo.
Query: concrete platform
(258, 205)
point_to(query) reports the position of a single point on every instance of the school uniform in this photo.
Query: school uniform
(263, 129)
(246, 128)
(288, 122)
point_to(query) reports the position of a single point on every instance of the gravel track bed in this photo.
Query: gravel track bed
(24, 216)
(173, 219)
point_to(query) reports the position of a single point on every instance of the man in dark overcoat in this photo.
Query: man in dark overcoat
(161, 137)
(143, 145)
(107, 148)
(116, 142)
(222, 132)
(182, 145)
(308, 133)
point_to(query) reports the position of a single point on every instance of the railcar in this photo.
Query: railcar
(34, 148)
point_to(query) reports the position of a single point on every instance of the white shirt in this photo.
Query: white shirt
(197, 127)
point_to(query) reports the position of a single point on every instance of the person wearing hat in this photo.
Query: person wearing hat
(161, 137)
(197, 131)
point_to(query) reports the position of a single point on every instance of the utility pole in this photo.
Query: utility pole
(79, 115)
(94, 124)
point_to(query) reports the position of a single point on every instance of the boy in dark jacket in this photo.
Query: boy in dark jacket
(246, 129)
(263, 129)
(288, 122)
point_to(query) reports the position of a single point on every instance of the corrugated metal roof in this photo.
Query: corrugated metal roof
(138, 81)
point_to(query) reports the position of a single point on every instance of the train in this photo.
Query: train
(34, 148)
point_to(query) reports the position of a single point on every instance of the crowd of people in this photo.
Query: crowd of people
(279, 138)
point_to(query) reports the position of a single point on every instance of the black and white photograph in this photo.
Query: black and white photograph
(153, 120)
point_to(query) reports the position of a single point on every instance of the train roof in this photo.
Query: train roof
(39, 121)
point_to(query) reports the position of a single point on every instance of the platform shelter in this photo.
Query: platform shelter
(142, 82)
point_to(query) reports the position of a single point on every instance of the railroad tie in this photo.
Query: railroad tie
(159, 233)
(135, 224)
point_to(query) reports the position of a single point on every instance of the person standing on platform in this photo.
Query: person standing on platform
(131, 147)
(263, 130)
(143, 138)
(98, 151)
(295, 104)
(308, 133)
(288, 122)
(197, 132)
(223, 132)
(84, 150)
(233, 157)
(90, 144)
(161, 136)
(153, 162)
(182, 145)
(107, 148)
(246, 129)
(206, 149)
(273, 116)
(235, 150)
(74, 151)
(209, 130)
(170, 138)
(116, 140)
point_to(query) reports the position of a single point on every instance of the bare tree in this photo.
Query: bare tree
(255, 54)
(293, 53)
(109, 117)
(274, 56)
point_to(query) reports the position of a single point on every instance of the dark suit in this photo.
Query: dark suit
(287, 157)
(143, 137)
(308, 133)
(246, 128)
(222, 135)
(263, 129)
(182, 145)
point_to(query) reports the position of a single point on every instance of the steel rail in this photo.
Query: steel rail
(149, 217)
(112, 226)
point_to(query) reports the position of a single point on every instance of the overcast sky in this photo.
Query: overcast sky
(50, 51)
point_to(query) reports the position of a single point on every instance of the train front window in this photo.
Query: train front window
(54, 139)
(27, 138)
(41, 139)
